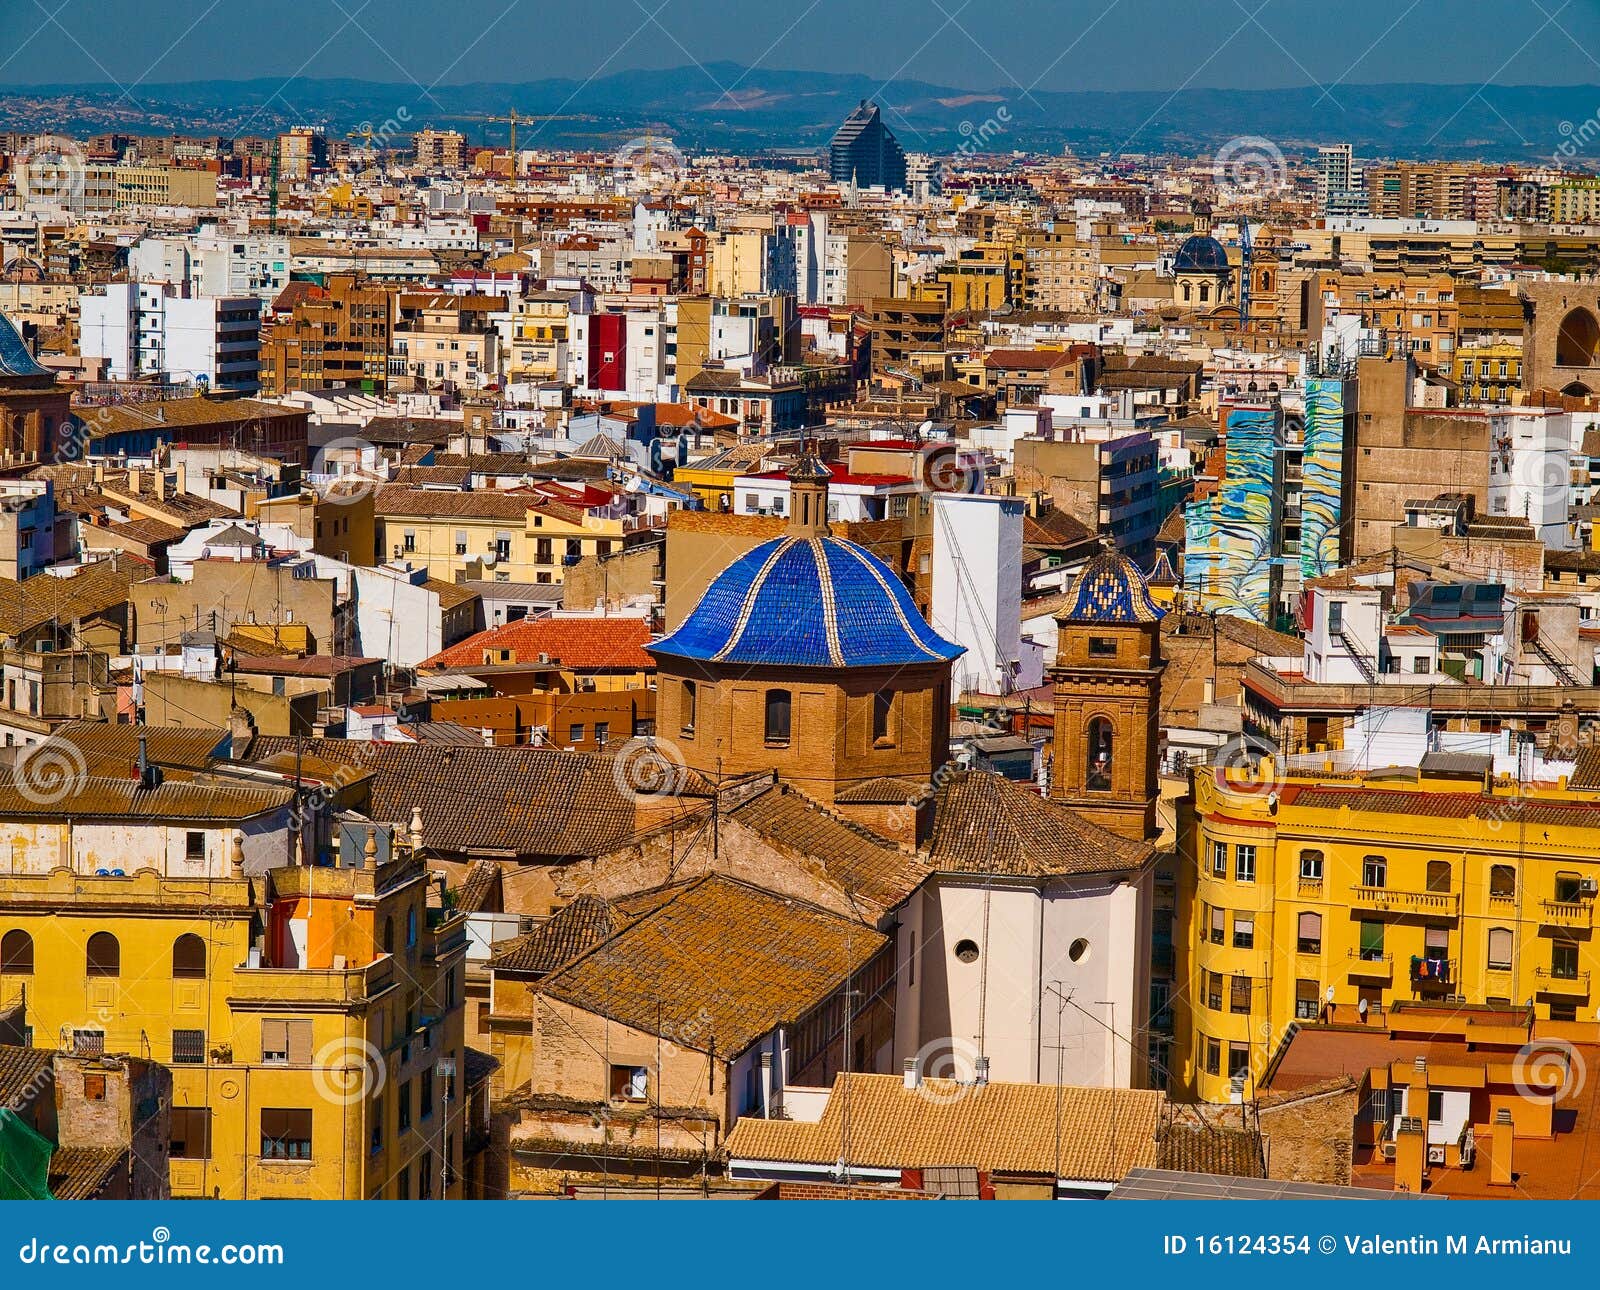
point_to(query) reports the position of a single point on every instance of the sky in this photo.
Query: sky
(976, 44)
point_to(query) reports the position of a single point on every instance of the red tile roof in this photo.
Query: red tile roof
(584, 644)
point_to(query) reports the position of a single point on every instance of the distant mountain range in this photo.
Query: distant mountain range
(729, 107)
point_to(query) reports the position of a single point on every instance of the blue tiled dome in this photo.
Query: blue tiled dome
(1201, 254)
(1110, 590)
(808, 602)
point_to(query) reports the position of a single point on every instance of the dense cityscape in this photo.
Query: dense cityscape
(538, 666)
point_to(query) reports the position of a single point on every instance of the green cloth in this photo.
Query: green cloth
(24, 1159)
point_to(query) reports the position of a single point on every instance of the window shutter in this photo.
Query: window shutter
(300, 1043)
(274, 1037)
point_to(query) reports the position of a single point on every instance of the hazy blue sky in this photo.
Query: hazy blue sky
(1055, 44)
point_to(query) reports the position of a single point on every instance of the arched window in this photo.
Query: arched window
(1309, 933)
(779, 706)
(388, 936)
(1438, 875)
(411, 927)
(188, 957)
(1098, 750)
(1188, 292)
(104, 956)
(1578, 340)
(1266, 280)
(16, 953)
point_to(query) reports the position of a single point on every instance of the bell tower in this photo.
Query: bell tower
(1107, 676)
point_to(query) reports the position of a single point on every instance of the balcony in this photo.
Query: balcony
(1371, 965)
(1570, 985)
(338, 987)
(1566, 913)
(1432, 974)
(1440, 904)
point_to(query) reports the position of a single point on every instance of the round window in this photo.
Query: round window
(967, 951)
(1078, 950)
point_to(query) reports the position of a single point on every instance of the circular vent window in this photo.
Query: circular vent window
(1078, 950)
(967, 951)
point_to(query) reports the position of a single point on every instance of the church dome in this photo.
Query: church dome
(1110, 589)
(808, 602)
(1201, 254)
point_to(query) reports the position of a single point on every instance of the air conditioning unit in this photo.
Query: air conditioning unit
(1588, 887)
(1436, 1155)
(1387, 1149)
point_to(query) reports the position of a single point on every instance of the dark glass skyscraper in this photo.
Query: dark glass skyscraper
(864, 150)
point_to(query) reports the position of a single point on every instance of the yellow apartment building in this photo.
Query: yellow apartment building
(311, 1016)
(516, 536)
(540, 332)
(1295, 893)
(1489, 373)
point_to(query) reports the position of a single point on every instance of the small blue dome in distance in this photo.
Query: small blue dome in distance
(1110, 589)
(1201, 254)
(808, 602)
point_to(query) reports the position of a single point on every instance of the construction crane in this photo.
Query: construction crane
(515, 118)
(366, 132)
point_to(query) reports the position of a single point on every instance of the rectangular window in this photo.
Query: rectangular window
(1244, 933)
(1214, 991)
(1102, 647)
(1371, 941)
(1309, 937)
(1374, 872)
(1244, 863)
(191, 1133)
(425, 1107)
(1238, 1060)
(1219, 924)
(404, 1099)
(1219, 859)
(1307, 1000)
(1213, 1057)
(602, 731)
(286, 1043)
(285, 1134)
(188, 1047)
(575, 733)
(1564, 961)
(1500, 942)
(630, 1083)
(1503, 881)
(778, 707)
(194, 846)
(1311, 866)
(1436, 942)
(1239, 995)
(882, 710)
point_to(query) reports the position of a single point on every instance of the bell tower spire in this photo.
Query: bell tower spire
(808, 494)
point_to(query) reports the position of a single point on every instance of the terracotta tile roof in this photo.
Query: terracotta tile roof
(583, 644)
(1030, 360)
(80, 1173)
(521, 803)
(450, 594)
(105, 797)
(96, 589)
(112, 750)
(20, 1070)
(564, 936)
(480, 891)
(1006, 1128)
(858, 861)
(1210, 1149)
(439, 503)
(717, 966)
(985, 823)
(1444, 806)
(1055, 529)
(886, 791)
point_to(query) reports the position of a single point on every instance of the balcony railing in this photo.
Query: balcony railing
(1566, 913)
(1439, 903)
(1373, 964)
(1569, 983)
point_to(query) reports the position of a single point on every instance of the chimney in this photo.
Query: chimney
(238, 855)
(240, 732)
(913, 1074)
(369, 852)
(135, 481)
(1501, 1149)
(1410, 1154)
(416, 828)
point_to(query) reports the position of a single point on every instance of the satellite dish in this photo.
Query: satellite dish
(1362, 1008)
(1329, 994)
